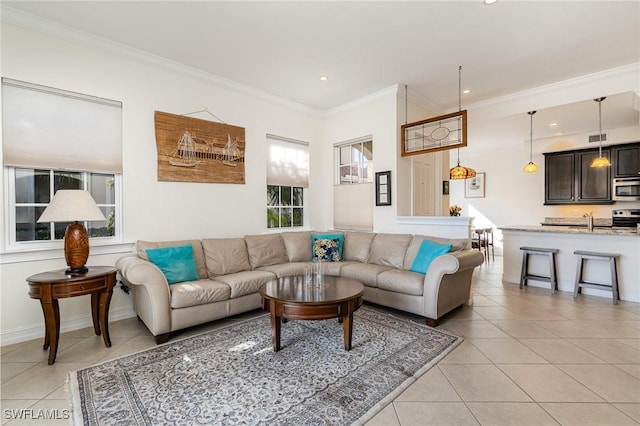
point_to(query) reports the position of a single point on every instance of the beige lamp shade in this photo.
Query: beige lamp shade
(70, 205)
(73, 205)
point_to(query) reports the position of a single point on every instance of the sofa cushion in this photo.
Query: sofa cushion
(265, 250)
(176, 263)
(298, 245)
(428, 251)
(287, 269)
(327, 247)
(389, 249)
(457, 244)
(246, 282)
(198, 254)
(198, 292)
(225, 256)
(400, 281)
(357, 246)
(366, 273)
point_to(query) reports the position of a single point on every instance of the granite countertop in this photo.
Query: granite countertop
(572, 229)
(576, 221)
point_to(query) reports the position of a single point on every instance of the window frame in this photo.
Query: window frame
(10, 244)
(357, 163)
(280, 205)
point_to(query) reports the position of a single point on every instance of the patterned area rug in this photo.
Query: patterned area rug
(232, 376)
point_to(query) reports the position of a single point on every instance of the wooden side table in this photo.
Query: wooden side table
(50, 286)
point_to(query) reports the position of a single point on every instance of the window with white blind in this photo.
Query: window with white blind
(287, 180)
(353, 192)
(56, 139)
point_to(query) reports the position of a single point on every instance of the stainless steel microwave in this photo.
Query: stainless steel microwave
(626, 189)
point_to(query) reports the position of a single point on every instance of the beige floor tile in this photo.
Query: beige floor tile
(611, 383)
(44, 412)
(633, 369)
(476, 329)
(480, 300)
(610, 350)
(465, 353)
(631, 410)
(497, 313)
(634, 343)
(587, 414)
(547, 383)
(33, 352)
(560, 351)
(11, 408)
(432, 386)
(39, 381)
(525, 329)
(434, 413)
(482, 382)
(386, 417)
(507, 351)
(91, 350)
(10, 370)
(574, 329)
(131, 346)
(511, 414)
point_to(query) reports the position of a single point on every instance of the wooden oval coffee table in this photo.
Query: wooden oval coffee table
(292, 298)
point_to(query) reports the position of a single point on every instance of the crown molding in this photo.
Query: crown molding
(363, 100)
(45, 26)
(621, 75)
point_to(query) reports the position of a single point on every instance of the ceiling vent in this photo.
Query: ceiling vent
(596, 138)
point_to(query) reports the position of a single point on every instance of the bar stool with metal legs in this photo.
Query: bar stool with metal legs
(612, 285)
(524, 272)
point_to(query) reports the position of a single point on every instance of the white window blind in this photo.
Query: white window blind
(353, 206)
(287, 162)
(44, 127)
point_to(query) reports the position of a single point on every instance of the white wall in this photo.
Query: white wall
(152, 210)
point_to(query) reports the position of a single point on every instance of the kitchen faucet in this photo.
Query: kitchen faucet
(589, 217)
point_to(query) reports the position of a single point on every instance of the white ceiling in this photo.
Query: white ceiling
(282, 48)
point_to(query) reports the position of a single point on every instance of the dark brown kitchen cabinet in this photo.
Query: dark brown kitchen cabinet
(569, 179)
(626, 160)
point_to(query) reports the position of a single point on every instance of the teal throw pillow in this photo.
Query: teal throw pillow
(327, 247)
(427, 252)
(176, 263)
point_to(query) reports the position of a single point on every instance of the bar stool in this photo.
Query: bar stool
(590, 255)
(524, 272)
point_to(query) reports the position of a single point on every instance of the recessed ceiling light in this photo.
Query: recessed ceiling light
(465, 91)
(324, 78)
(489, 1)
(554, 124)
(559, 133)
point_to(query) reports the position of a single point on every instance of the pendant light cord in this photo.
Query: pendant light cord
(459, 102)
(531, 137)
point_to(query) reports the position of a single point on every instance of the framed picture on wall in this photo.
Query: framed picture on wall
(383, 188)
(475, 187)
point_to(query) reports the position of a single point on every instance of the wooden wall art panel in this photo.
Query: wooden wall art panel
(195, 150)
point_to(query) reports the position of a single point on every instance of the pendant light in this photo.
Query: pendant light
(460, 172)
(600, 161)
(530, 167)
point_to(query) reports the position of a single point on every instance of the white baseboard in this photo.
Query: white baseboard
(23, 334)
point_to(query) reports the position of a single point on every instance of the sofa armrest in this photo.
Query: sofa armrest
(152, 298)
(459, 266)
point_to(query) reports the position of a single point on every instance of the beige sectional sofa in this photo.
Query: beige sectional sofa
(230, 271)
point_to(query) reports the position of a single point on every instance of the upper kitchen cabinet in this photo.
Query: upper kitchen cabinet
(626, 160)
(569, 179)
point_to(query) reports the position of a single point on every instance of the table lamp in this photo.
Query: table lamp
(73, 205)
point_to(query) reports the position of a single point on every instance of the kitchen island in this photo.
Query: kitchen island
(567, 239)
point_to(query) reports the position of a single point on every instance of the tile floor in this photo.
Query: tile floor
(529, 358)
